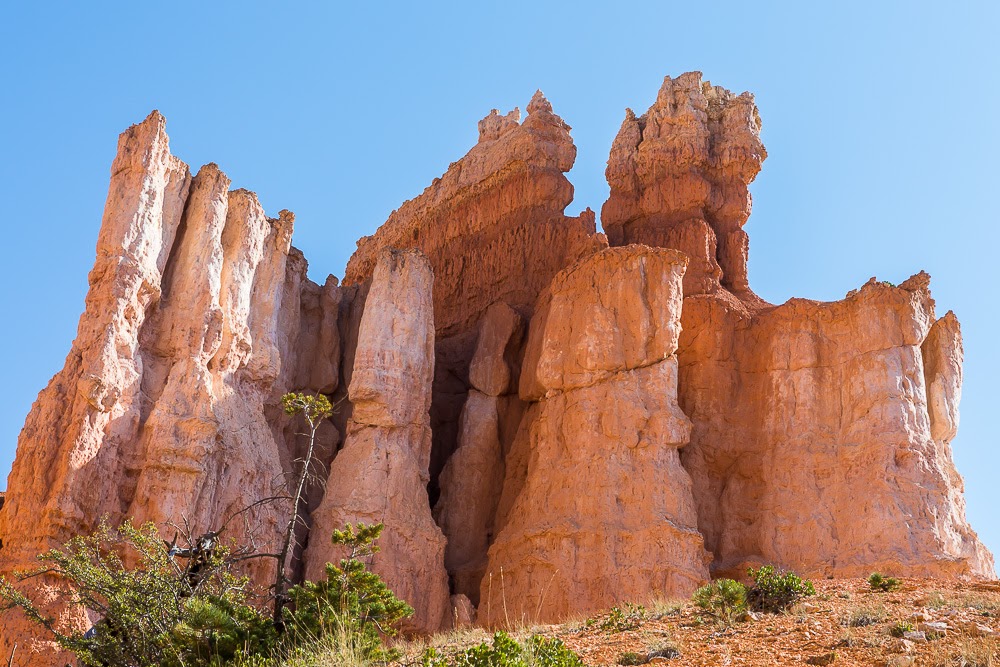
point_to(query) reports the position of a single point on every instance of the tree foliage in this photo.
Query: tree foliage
(774, 591)
(724, 599)
(353, 598)
(154, 609)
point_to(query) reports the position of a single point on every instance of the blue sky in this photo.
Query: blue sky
(880, 119)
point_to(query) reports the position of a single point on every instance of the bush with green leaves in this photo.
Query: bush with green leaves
(724, 599)
(505, 651)
(154, 612)
(878, 582)
(353, 601)
(774, 591)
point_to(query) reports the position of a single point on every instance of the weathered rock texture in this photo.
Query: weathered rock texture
(650, 414)
(821, 430)
(381, 474)
(472, 480)
(679, 177)
(159, 411)
(605, 512)
(494, 231)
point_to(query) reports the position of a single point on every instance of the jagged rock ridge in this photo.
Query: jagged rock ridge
(601, 423)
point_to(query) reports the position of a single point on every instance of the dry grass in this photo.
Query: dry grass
(983, 652)
(865, 615)
(659, 607)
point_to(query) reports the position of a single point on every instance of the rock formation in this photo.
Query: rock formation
(381, 474)
(605, 512)
(472, 480)
(494, 231)
(601, 424)
(811, 420)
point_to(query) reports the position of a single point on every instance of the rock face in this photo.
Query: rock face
(381, 474)
(472, 480)
(812, 422)
(658, 423)
(679, 177)
(605, 512)
(159, 411)
(494, 231)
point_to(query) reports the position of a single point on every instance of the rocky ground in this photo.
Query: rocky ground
(845, 623)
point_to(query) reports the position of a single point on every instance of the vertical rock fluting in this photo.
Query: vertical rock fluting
(381, 474)
(603, 511)
(159, 413)
(494, 230)
(812, 422)
(82, 430)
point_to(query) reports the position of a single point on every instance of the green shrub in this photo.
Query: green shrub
(620, 620)
(724, 599)
(877, 582)
(353, 601)
(537, 651)
(900, 628)
(774, 592)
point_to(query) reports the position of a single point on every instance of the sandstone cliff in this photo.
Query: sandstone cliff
(598, 424)
(381, 474)
(160, 411)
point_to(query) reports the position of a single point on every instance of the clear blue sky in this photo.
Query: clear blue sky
(881, 120)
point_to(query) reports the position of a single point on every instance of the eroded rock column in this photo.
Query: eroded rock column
(600, 509)
(381, 474)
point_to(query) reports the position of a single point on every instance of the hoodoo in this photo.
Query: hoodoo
(601, 418)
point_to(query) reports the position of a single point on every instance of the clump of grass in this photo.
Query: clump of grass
(970, 652)
(340, 647)
(860, 617)
(663, 650)
(724, 599)
(631, 659)
(879, 582)
(936, 600)
(986, 605)
(661, 608)
(984, 652)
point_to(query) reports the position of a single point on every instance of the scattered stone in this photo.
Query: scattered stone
(933, 629)
(903, 646)
(900, 661)
(973, 629)
(917, 636)
(825, 659)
